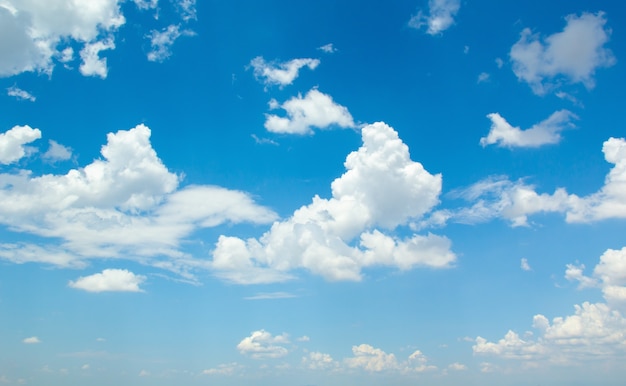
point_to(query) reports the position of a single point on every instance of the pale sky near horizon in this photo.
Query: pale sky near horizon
(320, 193)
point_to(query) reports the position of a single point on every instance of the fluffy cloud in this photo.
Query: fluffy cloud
(36, 34)
(593, 331)
(609, 275)
(281, 74)
(572, 55)
(315, 110)
(371, 359)
(20, 94)
(31, 340)
(319, 361)
(109, 280)
(161, 42)
(12, 143)
(126, 204)
(524, 265)
(263, 345)
(546, 132)
(496, 197)
(440, 16)
(320, 237)
(327, 48)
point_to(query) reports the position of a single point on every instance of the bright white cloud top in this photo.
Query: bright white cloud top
(109, 280)
(443, 202)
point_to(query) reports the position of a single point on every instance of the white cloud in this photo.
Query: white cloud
(144, 373)
(593, 331)
(496, 197)
(320, 236)
(186, 9)
(281, 74)
(93, 64)
(499, 62)
(33, 32)
(263, 345)
(57, 152)
(223, 369)
(146, 4)
(271, 295)
(31, 340)
(328, 48)
(440, 16)
(12, 143)
(315, 110)
(126, 204)
(543, 133)
(524, 265)
(572, 55)
(457, 366)
(20, 94)
(162, 42)
(109, 280)
(372, 359)
(319, 361)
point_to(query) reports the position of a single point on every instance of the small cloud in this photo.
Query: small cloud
(457, 367)
(110, 280)
(499, 62)
(144, 373)
(263, 141)
(85, 367)
(466, 49)
(524, 265)
(93, 64)
(327, 48)
(440, 16)
(263, 345)
(31, 340)
(163, 41)
(13, 143)
(483, 77)
(57, 152)
(271, 295)
(280, 74)
(100, 340)
(223, 369)
(303, 338)
(545, 132)
(20, 94)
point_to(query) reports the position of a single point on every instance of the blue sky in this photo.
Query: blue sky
(312, 193)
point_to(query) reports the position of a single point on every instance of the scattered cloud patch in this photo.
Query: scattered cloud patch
(263, 345)
(57, 152)
(109, 280)
(223, 369)
(162, 41)
(321, 236)
(319, 361)
(20, 94)
(499, 62)
(93, 64)
(439, 18)
(572, 55)
(524, 265)
(457, 366)
(31, 340)
(314, 110)
(13, 141)
(328, 48)
(483, 77)
(466, 50)
(263, 141)
(280, 74)
(545, 132)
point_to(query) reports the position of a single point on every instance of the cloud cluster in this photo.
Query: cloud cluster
(593, 331)
(126, 204)
(281, 74)
(546, 132)
(338, 237)
(263, 345)
(439, 18)
(498, 197)
(314, 110)
(34, 35)
(162, 41)
(109, 280)
(572, 55)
